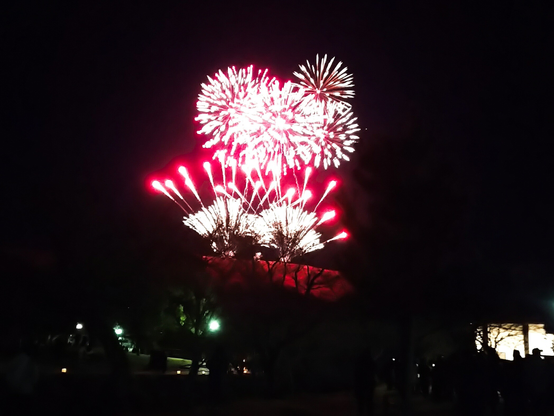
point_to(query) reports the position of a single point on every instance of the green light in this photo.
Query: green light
(214, 325)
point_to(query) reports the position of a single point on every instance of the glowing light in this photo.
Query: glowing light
(158, 186)
(178, 371)
(340, 236)
(183, 171)
(327, 216)
(118, 330)
(214, 325)
(290, 194)
(507, 337)
(330, 187)
(169, 184)
(79, 326)
(64, 370)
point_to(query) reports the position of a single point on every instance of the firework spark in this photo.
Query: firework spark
(253, 208)
(254, 119)
(291, 230)
(323, 84)
(224, 224)
(333, 138)
(225, 104)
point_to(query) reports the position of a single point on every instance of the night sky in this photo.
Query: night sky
(98, 96)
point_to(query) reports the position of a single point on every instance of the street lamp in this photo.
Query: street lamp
(79, 326)
(214, 325)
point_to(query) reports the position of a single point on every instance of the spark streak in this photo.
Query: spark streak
(262, 214)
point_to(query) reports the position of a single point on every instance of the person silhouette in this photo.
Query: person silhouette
(512, 386)
(364, 382)
(21, 377)
(537, 378)
(218, 364)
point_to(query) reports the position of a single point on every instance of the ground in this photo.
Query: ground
(336, 404)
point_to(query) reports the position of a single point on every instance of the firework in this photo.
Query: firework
(225, 224)
(255, 119)
(225, 104)
(252, 208)
(323, 84)
(291, 230)
(333, 137)
(281, 134)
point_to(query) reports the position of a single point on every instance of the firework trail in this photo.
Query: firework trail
(253, 208)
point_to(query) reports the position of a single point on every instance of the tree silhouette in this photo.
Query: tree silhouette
(405, 213)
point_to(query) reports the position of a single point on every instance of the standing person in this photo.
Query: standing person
(21, 377)
(537, 376)
(513, 387)
(491, 373)
(364, 382)
(158, 359)
(218, 364)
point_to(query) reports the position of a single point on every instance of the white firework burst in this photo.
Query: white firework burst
(224, 224)
(324, 84)
(290, 230)
(225, 102)
(333, 137)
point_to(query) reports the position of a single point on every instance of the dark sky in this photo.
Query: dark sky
(100, 95)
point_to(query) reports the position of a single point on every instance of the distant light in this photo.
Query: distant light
(178, 371)
(79, 326)
(394, 359)
(64, 370)
(432, 365)
(214, 325)
(118, 330)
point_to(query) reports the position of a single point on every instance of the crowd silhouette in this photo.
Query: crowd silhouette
(479, 381)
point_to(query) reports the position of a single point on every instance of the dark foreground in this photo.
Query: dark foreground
(150, 394)
(172, 394)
